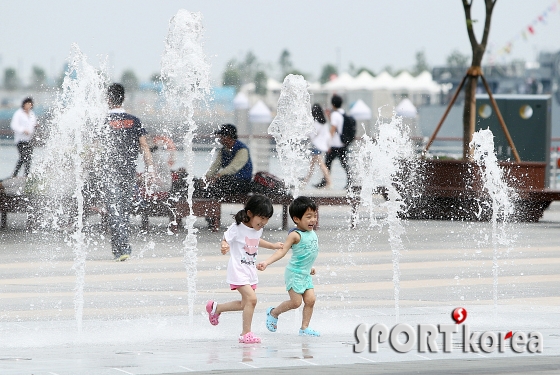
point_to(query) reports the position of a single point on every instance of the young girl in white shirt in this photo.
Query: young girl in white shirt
(242, 241)
(23, 124)
(320, 144)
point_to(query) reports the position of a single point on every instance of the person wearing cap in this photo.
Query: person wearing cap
(124, 137)
(23, 124)
(232, 170)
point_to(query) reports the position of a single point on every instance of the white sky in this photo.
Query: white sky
(370, 33)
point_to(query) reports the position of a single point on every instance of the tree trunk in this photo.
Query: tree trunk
(469, 109)
(469, 115)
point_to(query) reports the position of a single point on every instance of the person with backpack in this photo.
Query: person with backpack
(343, 131)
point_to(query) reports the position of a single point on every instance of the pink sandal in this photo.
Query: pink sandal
(249, 338)
(212, 317)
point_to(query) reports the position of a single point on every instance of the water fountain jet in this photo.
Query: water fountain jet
(77, 120)
(186, 77)
(381, 163)
(291, 128)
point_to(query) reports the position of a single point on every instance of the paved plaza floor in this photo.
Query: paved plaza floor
(136, 317)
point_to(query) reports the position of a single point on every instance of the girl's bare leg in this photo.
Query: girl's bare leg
(247, 305)
(314, 161)
(293, 303)
(324, 169)
(309, 303)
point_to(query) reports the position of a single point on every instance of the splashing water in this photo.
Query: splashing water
(78, 115)
(380, 163)
(185, 74)
(501, 195)
(291, 128)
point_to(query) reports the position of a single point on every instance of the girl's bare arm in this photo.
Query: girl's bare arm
(293, 238)
(269, 245)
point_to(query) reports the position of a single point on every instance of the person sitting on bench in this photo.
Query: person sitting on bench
(232, 170)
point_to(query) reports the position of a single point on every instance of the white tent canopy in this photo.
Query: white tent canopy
(425, 82)
(403, 81)
(364, 81)
(260, 114)
(383, 81)
(241, 101)
(406, 109)
(273, 85)
(360, 111)
(343, 82)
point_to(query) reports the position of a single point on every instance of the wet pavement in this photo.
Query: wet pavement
(136, 314)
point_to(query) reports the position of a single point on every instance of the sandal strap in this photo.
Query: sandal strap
(249, 338)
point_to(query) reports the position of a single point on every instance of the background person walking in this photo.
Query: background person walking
(338, 148)
(124, 137)
(243, 239)
(320, 143)
(23, 124)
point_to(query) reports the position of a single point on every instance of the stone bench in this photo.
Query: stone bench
(211, 209)
(15, 204)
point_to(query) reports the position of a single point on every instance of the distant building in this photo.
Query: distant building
(517, 77)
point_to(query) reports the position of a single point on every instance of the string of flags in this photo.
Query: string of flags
(527, 31)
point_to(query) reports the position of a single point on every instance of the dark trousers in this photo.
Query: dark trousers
(25, 150)
(222, 187)
(342, 154)
(118, 198)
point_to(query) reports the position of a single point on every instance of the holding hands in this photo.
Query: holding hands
(277, 246)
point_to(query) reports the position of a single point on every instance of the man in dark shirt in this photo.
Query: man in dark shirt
(124, 136)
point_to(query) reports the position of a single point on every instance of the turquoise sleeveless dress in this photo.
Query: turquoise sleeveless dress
(304, 253)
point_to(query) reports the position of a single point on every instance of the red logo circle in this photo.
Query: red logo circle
(459, 315)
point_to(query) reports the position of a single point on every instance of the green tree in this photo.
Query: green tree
(155, 78)
(232, 75)
(326, 73)
(285, 62)
(352, 69)
(260, 83)
(129, 80)
(248, 67)
(389, 69)
(457, 60)
(421, 63)
(38, 77)
(62, 75)
(11, 80)
(364, 69)
(297, 72)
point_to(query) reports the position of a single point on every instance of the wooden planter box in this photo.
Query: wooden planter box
(453, 190)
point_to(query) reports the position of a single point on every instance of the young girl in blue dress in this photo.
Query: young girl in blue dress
(299, 284)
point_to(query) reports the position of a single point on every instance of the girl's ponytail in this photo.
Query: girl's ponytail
(241, 217)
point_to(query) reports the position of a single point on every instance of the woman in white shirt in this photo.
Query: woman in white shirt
(320, 143)
(23, 124)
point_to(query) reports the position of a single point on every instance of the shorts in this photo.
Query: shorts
(234, 287)
(315, 151)
(297, 281)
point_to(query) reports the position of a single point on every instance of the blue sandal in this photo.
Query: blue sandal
(271, 322)
(309, 332)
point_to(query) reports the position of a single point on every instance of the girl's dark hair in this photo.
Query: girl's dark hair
(259, 205)
(318, 114)
(300, 205)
